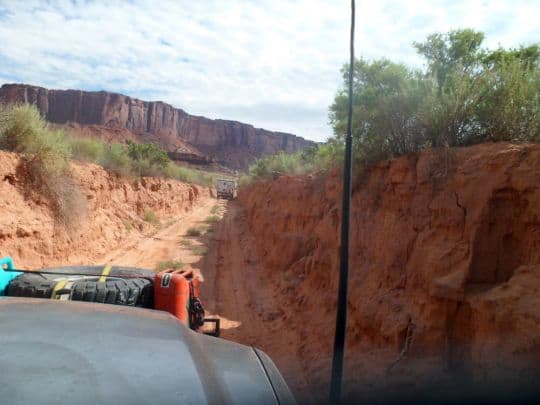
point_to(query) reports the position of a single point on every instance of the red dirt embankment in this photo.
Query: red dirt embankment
(444, 279)
(113, 208)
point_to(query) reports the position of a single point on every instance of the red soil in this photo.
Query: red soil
(444, 280)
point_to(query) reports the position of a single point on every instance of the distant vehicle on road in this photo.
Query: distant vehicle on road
(226, 188)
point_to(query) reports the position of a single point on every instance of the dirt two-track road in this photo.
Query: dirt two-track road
(233, 288)
(169, 242)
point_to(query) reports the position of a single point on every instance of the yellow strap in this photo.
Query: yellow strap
(105, 273)
(59, 285)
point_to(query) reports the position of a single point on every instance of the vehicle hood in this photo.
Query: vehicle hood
(76, 352)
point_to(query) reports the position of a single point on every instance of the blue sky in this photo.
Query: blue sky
(271, 63)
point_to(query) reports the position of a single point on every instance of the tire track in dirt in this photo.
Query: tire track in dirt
(165, 244)
(236, 290)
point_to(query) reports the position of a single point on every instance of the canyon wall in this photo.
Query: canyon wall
(444, 284)
(231, 143)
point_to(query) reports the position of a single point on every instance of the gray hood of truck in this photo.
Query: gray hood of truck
(75, 352)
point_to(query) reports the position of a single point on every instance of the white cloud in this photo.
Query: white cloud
(274, 64)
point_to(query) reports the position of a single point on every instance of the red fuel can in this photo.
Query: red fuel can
(171, 292)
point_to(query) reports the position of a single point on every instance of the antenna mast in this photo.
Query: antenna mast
(341, 316)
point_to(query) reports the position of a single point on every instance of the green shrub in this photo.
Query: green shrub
(281, 163)
(185, 174)
(214, 209)
(317, 158)
(510, 109)
(186, 243)
(194, 231)
(147, 151)
(86, 149)
(150, 217)
(147, 159)
(127, 224)
(212, 219)
(245, 180)
(199, 250)
(169, 265)
(20, 126)
(116, 159)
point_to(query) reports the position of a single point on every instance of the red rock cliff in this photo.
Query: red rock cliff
(232, 143)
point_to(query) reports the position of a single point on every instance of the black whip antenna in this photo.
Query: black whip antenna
(341, 316)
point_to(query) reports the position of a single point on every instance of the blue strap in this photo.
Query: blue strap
(6, 276)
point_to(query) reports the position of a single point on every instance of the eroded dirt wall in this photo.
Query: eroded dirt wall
(111, 208)
(445, 270)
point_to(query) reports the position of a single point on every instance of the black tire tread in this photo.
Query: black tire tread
(31, 285)
(136, 292)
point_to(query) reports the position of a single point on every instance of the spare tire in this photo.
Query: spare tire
(137, 292)
(31, 285)
(116, 271)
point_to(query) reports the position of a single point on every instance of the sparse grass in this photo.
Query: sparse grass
(199, 250)
(194, 231)
(150, 217)
(205, 227)
(127, 224)
(186, 243)
(169, 223)
(214, 209)
(115, 159)
(86, 149)
(169, 264)
(212, 219)
(181, 173)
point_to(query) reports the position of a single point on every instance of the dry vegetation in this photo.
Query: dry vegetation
(45, 161)
(169, 265)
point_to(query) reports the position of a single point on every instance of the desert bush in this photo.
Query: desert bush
(45, 159)
(212, 219)
(147, 159)
(199, 250)
(314, 159)
(186, 243)
(86, 149)
(128, 224)
(150, 217)
(115, 159)
(169, 265)
(69, 204)
(20, 126)
(281, 163)
(194, 232)
(245, 180)
(181, 173)
(510, 109)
